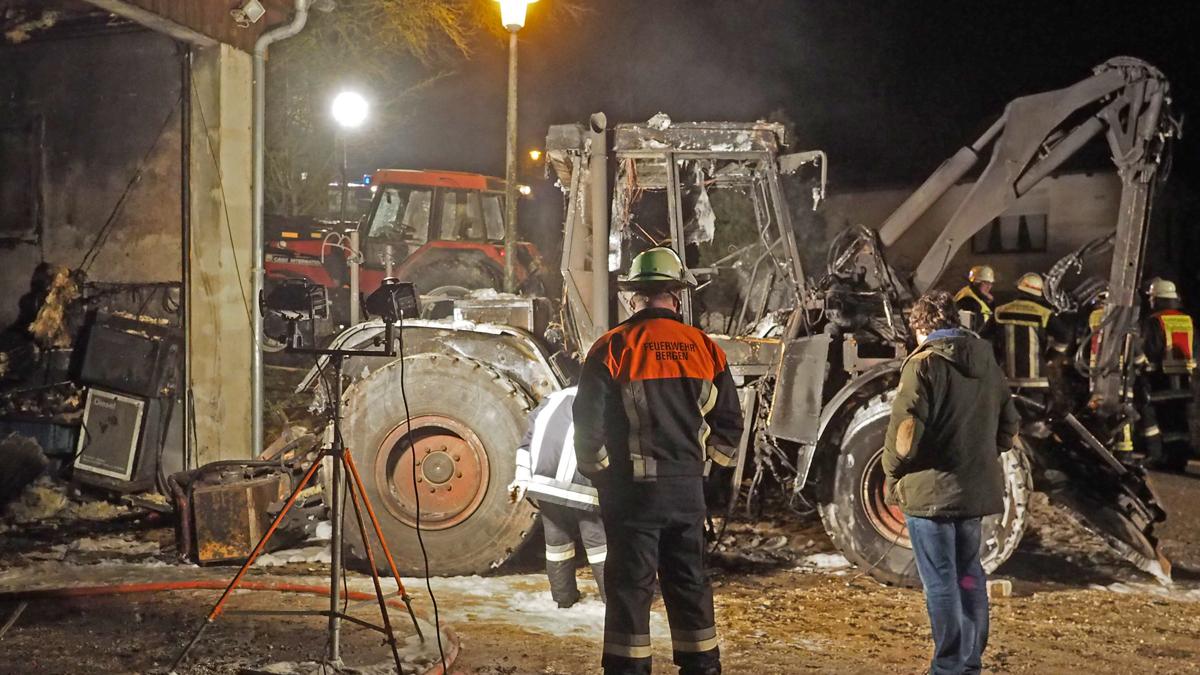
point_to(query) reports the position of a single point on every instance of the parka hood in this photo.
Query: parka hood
(970, 354)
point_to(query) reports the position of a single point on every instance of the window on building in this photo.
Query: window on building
(1012, 234)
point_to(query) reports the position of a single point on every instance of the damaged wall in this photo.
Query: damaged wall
(1077, 208)
(99, 107)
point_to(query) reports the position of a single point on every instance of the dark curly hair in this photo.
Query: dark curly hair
(934, 311)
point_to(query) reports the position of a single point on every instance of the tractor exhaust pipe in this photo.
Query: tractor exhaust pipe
(598, 173)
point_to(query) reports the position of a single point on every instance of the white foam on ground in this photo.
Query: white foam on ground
(1179, 592)
(522, 600)
(316, 553)
(823, 562)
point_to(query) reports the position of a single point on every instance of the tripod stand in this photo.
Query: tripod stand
(343, 466)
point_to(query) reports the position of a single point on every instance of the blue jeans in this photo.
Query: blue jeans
(947, 553)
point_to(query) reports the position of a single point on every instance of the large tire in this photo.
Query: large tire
(872, 535)
(467, 422)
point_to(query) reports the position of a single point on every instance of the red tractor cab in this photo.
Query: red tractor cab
(441, 230)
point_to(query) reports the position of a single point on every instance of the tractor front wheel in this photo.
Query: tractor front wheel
(443, 464)
(872, 534)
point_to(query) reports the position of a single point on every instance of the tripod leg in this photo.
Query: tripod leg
(382, 542)
(362, 530)
(262, 542)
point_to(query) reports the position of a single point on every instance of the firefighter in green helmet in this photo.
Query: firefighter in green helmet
(656, 402)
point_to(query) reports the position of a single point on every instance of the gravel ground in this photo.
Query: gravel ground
(786, 603)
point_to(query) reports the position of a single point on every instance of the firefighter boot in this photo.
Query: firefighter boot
(598, 572)
(562, 582)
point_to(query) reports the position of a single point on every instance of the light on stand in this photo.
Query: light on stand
(393, 300)
(349, 109)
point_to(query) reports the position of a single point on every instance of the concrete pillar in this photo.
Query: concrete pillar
(218, 284)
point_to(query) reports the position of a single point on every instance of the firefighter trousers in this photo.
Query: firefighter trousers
(657, 530)
(561, 523)
(1165, 429)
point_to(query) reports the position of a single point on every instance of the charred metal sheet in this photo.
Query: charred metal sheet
(510, 351)
(1076, 471)
(231, 517)
(749, 356)
(564, 141)
(699, 136)
(529, 314)
(796, 405)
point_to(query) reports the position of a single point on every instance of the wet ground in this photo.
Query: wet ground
(786, 603)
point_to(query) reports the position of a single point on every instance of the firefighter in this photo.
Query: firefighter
(1123, 443)
(656, 400)
(975, 301)
(1168, 339)
(1026, 330)
(547, 475)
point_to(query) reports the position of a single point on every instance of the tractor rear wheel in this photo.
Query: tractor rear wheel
(462, 429)
(872, 534)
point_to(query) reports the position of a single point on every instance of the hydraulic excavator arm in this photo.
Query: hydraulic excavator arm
(1126, 100)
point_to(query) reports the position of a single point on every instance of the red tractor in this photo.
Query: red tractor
(442, 230)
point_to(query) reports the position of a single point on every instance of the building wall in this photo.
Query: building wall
(218, 288)
(104, 107)
(1078, 208)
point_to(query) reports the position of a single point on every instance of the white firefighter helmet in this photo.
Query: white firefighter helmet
(1161, 289)
(982, 274)
(1032, 283)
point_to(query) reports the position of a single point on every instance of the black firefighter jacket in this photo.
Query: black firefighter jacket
(655, 399)
(952, 416)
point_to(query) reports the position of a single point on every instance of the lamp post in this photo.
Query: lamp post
(349, 111)
(512, 16)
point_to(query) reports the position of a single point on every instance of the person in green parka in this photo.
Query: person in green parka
(952, 417)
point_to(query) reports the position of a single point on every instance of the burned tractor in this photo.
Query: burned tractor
(815, 352)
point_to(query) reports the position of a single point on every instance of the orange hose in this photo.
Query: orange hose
(217, 585)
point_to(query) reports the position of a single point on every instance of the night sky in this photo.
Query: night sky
(889, 89)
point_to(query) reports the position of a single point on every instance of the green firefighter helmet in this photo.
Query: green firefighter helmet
(656, 269)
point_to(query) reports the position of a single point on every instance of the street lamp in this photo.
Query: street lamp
(349, 111)
(512, 16)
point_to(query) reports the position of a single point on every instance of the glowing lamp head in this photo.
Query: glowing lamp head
(349, 109)
(525, 190)
(512, 13)
(535, 155)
